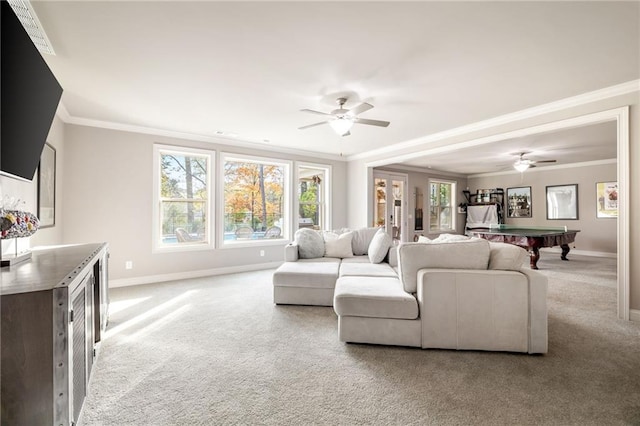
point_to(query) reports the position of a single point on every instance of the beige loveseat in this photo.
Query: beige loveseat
(468, 294)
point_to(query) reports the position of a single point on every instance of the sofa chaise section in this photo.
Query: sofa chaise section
(306, 282)
(376, 310)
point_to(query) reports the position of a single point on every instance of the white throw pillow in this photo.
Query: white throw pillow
(362, 240)
(379, 246)
(310, 243)
(337, 245)
(506, 257)
(449, 238)
(424, 240)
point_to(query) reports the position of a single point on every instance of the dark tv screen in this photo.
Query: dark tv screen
(29, 95)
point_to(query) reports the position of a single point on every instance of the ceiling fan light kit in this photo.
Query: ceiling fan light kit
(341, 120)
(341, 125)
(523, 164)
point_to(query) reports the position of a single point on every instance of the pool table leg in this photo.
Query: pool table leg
(565, 251)
(534, 255)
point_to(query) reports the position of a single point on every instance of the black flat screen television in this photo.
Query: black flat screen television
(29, 95)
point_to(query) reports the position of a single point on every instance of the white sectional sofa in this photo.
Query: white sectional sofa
(467, 294)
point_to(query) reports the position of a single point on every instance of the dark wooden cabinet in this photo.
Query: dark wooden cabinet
(54, 311)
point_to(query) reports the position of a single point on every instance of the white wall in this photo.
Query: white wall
(108, 197)
(596, 235)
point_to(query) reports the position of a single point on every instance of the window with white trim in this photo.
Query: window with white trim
(441, 202)
(313, 196)
(182, 198)
(255, 199)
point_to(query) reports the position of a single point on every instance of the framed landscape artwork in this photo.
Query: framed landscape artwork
(47, 187)
(519, 202)
(562, 202)
(607, 199)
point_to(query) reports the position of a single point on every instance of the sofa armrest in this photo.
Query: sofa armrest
(291, 252)
(483, 310)
(538, 284)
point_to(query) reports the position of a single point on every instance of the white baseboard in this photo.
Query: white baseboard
(634, 315)
(581, 252)
(150, 279)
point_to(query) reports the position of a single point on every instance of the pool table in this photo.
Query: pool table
(532, 239)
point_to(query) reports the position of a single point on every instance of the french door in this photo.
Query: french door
(390, 204)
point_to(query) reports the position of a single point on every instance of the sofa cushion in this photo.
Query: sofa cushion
(374, 297)
(337, 245)
(310, 243)
(307, 274)
(392, 257)
(357, 259)
(379, 246)
(362, 239)
(506, 257)
(469, 254)
(366, 270)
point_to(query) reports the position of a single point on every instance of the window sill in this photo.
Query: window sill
(182, 248)
(254, 243)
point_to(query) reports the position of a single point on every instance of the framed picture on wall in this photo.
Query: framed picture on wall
(519, 202)
(607, 199)
(562, 202)
(47, 187)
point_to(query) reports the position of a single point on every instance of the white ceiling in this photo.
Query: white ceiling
(247, 68)
(576, 145)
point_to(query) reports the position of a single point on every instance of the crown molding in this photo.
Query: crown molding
(427, 170)
(574, 101)
(64, 115)
(62, 112)
(597, 95)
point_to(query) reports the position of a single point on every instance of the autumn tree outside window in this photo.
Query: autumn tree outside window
(256, 199)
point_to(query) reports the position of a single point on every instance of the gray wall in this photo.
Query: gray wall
(421, 180)
(596, 235)
(27, 191)
(108, 197)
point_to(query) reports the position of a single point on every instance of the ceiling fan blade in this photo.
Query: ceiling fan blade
(360, 109)
(312, 125)
(314, 112)
(372, 122)
(543, 161)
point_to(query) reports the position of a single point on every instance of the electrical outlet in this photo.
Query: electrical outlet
(128, 264)
(262, 253)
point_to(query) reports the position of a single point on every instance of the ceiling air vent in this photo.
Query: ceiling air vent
(32, 25)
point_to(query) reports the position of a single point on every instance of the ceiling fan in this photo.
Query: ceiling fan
(341, 120)
(523, 164)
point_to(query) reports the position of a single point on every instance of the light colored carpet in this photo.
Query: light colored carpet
(217, 351)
